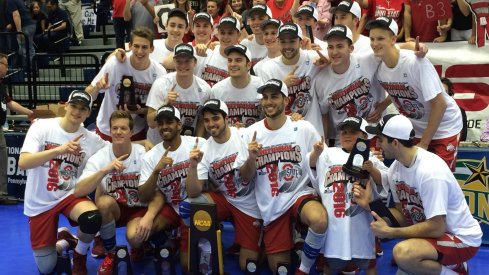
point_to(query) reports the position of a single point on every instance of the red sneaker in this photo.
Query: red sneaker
(65, 234)
(378, 247)
(79, 264)
(300, 272)
(136, 254)
(107, 266)
(98, 250)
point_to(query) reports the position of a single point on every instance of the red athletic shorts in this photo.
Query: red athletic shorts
(44, 227)
(174, 220)
(278, 234)
(129, 213)
(135, 137)
(452, 250)
(246, 228)
(445, 148)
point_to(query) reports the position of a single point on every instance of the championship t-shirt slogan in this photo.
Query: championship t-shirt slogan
(169, 181)
(300, 97)
(63, 169)
(282, 165)
(354, 100)
(243, 112)
(411, 203)
(336, 183)
(405, 99)
(124, 188)
(223, 172)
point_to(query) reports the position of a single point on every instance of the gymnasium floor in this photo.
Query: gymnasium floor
(16, 255)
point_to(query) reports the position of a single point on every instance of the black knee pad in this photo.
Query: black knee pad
(90, 222)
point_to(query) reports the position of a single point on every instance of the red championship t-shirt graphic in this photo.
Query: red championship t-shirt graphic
(354, 100)
(170, 179)
(63, 169)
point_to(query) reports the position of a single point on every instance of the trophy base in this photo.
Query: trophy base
(356, 172)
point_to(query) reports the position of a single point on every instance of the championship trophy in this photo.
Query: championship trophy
(127, 94)
(204, 225)
(122, 261)
(63, 265)
(164, 261)
(359, 154)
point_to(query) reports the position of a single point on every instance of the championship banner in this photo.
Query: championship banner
(467, 66)
(16, 177)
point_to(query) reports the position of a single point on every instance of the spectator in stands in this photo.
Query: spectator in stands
(58, 28)
(387, 8)
(416, 24)
(139, 13)
(324, 21)
(22, 22)
(461, 24)
(6, 103)
(39, 16)
(448, 85)
(73, 8)
(216, 9)
(238, 6)
(281, 9)
(244, 15)
(186, 6)
(122, 28)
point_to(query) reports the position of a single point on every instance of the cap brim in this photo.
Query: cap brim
(336, 34)
(267, 23)
(166, 115)
(373, 130)
(341, 8)
(304, 12)
(80, 102)
(227, 24)
(346, 123)
(376, 24)
(291, 33)
(202, 109)
(184, 54)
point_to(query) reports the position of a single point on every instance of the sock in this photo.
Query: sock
(82, 247)
(447, 271)
(312, 246)
(107, 233)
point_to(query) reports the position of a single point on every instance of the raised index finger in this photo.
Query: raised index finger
(321, 55)
(78, 138)
(166, 152)
(295, 69)
(123, 157)
(416, 45)
(106, 78)
(196, 143)
(322, 139)
(254, 137)
(173, 88)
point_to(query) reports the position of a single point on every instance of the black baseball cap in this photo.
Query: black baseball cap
(291, 29)
(274, 84)
(215, 105)
(167, 111)
(308, 10)
(393, 126)
(349, 6)
(203, 16)
(81, 97)
(340, 31)
(183, 49)
(240, 49)
(262, 9)
(355, 122)
(230, 21)
(272, 21)
(384, 23)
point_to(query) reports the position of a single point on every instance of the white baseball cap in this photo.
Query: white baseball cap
(393, 126)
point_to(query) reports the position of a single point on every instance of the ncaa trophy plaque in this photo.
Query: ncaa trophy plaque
(127, 94)
(204, 225)
(164, 261)
(359, 154)
(122, 261)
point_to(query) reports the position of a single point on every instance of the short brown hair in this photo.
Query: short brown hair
(143, 32)
(2, 56)
(120, 115)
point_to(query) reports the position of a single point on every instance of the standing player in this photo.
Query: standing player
(255, 16)
(165, 168)
(296, 69)
(54, 153)
(214, 163)
(349, 13)
(439, 231)
(144, 72)
(269, 29)
(181, 89)
(239, 89)
(275, 159)
(114, 173)
(415, 89)
(307, 15)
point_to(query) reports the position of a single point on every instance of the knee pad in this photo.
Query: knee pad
(46, 259)
(90, 222)
(184, 207)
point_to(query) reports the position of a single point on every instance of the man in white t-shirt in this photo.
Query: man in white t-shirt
(214, 66)
(276, 160)
(269, 30)
(181, 89)
(307, 15)
(214, 163)
(255, 16)
(439, 231)
(348, 86)
(349, 13)
(415, 89)
(143, 71)
(238, 90)
(113, 173)
(296, 68)
(165, 169)
(54, 154)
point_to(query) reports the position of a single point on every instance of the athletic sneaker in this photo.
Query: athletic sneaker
(233, 250)
(107, 266)
(136, 254)
(320, 262)
(378, 247)
(65, 234)
(79, 264)
(98, 250)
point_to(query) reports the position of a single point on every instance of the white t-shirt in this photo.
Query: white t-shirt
(258, 52)
(243, 104)
(353, 93)
(348, 235)
(362, 45)
(258, 66)
(123, 186)
(142, 84)
(428, 189)
(412, 83)
(217, 164)
(281, 176)
(302, 99)
(187, 102)
(160, 51)
(171, 180)
(214, 68)
(50, 183)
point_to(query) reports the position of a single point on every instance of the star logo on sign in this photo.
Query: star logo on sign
(479, 173)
